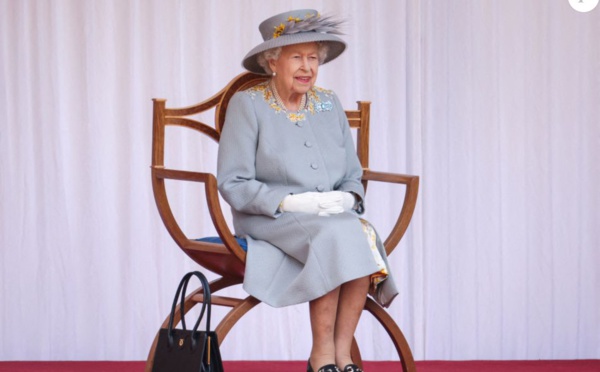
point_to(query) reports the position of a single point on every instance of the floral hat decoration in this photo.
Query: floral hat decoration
(296, 27)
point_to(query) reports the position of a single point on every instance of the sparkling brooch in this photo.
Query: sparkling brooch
(323, 106)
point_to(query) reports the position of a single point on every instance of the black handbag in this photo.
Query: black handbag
(182, 350)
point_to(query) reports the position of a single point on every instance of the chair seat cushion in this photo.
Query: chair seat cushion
(215, 239)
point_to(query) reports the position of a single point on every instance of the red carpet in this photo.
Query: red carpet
(277, 366)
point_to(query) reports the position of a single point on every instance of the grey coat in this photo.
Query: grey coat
(264, 155)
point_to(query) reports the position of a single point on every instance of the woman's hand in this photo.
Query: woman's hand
(312, 203)
(322, 204)
(345, 200)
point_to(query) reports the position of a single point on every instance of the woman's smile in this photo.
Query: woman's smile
(303, 79)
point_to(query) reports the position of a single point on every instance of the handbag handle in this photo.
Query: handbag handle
(206, 305)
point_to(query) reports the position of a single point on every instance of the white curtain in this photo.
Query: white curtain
(494, 103)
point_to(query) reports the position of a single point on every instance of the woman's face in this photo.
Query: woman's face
(296, 69)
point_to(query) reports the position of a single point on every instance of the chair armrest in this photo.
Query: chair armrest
(408, 206)
(159, 174)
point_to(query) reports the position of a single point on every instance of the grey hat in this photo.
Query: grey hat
(296, 27)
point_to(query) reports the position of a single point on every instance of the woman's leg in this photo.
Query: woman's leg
(352, 298)
(323, 312)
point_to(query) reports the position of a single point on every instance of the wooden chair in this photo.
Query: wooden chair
(228, 259)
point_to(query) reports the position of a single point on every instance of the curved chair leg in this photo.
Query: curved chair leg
(245, 305)
(406, 357)
(233, 316)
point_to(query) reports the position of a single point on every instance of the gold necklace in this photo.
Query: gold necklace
(280, 101)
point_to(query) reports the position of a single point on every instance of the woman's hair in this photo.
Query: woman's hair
(269, 54)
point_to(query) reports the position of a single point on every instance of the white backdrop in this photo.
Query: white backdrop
(493, 103)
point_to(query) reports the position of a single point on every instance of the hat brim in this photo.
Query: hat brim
(336, 47)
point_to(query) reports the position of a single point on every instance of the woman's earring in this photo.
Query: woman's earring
(274, 74)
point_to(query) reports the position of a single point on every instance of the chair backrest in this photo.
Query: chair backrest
(227, 258)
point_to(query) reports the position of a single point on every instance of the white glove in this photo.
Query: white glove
(345, 200)
(312, 203)
(330, 203)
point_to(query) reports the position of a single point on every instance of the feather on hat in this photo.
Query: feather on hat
(296, 27)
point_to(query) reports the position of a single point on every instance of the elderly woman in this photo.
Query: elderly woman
(289, 170)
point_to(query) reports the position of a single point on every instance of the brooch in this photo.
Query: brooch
(323, 106)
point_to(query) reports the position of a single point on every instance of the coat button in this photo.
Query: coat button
(320, 188)
(314, 165)
(308, 144)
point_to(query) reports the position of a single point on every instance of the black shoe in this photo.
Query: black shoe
(352, 368)
(327, 368)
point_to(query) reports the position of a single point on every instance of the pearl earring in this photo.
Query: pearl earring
(274, 74)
